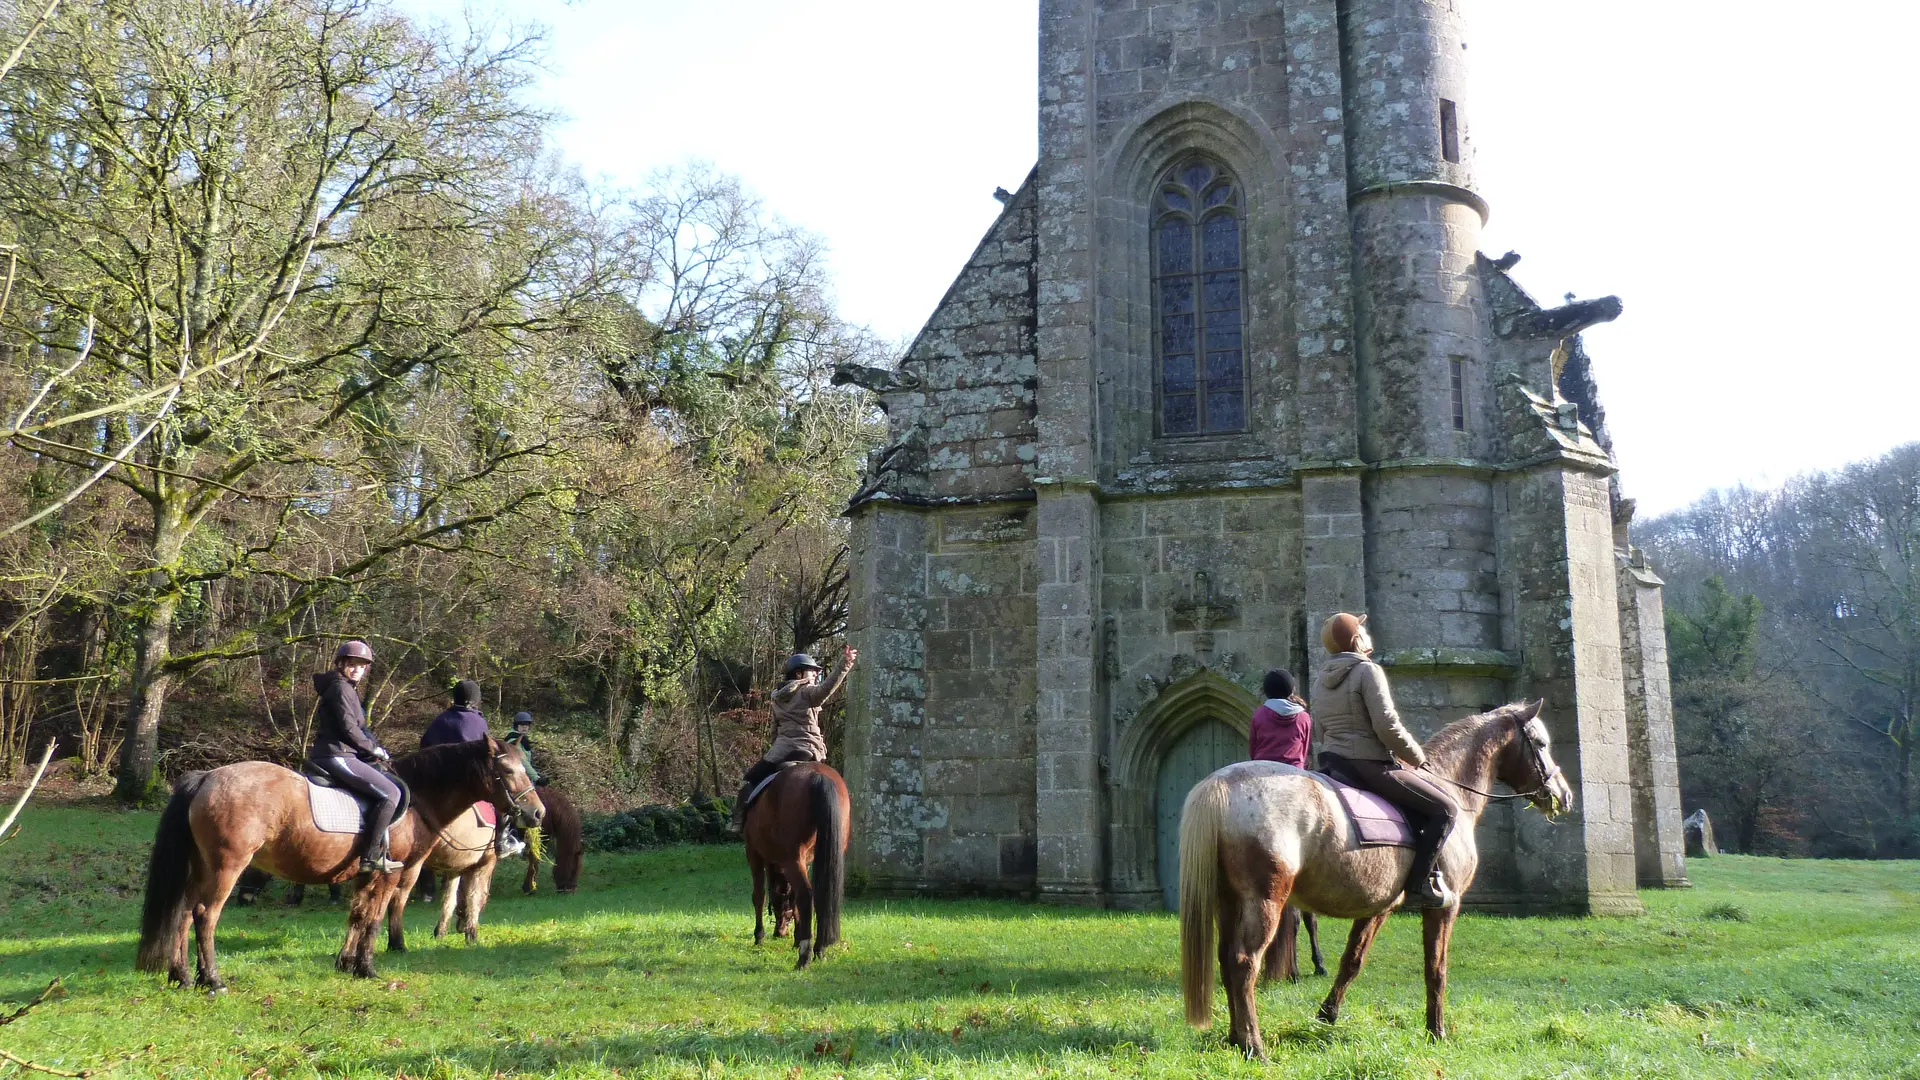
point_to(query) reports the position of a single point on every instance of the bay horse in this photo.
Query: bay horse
(1260, 835)
(256, 813)
(801, 817)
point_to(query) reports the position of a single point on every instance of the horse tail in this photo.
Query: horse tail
(829, 876)
(1200, 822)
(563, 824)
(167, 872)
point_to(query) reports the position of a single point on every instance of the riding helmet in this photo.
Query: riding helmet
(798, 663)
(1342, 632)
(522, 718)
(353, 650)
(466, 692)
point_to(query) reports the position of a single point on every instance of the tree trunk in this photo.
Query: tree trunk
(139, 753)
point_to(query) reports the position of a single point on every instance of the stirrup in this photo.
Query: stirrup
(1433, 893)
(380, 864)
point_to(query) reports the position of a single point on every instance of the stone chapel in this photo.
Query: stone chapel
(1230, 361)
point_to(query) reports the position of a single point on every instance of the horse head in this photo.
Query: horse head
(512, 787)
(1526, 764)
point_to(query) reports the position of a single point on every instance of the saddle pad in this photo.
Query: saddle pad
(335, 810)
(762, 785)
(1375, 820)
(483, 812)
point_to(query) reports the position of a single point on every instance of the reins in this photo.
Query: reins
(1546, 775)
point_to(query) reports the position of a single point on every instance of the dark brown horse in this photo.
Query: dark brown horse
(1259, 835)
(256, 813)
(561, 831)
(800, 818)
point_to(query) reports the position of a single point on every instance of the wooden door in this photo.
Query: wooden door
(1205, 747)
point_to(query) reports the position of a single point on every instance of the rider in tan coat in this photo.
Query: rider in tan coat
(1363, 743)
(796, 720)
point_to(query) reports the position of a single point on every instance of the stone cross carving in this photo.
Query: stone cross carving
(1204, 611)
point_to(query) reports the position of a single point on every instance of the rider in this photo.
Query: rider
(522, 737)
(796, 720)
(344, 749)
(1362, 739)
(463, 723)
(1281, 727)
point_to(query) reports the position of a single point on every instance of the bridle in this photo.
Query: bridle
(1532, 734)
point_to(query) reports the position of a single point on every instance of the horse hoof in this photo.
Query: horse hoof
(473, 937)
(1327, 1014)
(213, 987)
(806, 957)
(396, 946)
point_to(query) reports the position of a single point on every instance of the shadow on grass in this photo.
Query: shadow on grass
(977, 1040)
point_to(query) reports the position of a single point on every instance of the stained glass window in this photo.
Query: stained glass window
(1199, 285)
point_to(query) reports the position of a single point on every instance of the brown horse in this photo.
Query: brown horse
(1259, 835)
(800, 818)
(561, 830)
(255, 813)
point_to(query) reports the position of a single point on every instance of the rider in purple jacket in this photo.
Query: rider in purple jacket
(462, 722)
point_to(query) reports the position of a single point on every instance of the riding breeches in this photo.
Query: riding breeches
(766, 767)
(1429, 809)
(371, 784)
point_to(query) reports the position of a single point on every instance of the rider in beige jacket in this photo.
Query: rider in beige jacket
(796, 720)
(1363, 743)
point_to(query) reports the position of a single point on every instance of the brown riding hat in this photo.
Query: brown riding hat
(1342, 632)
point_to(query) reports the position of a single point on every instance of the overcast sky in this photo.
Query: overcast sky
(1739, 172)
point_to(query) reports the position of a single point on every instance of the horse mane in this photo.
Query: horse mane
(1458, 736)
(445, 765)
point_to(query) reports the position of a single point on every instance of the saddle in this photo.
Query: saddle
(762, 785)
(339, 810)
(1376, 822)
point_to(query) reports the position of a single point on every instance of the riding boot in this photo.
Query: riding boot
(1426, 885)
(375, 861)
(738, 820)
(507, 844)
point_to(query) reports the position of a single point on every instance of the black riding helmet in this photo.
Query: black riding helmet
(798, 663)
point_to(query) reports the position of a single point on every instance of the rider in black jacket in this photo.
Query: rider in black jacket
(345, 749)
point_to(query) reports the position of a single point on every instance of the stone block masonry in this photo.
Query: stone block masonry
(1060, 599)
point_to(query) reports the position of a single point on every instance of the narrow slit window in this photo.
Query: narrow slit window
(1199, 285)
(1457, 378)
(1449, 131)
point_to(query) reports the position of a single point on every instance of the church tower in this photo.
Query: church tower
(1229, 361)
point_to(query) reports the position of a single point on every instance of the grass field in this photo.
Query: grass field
(1767, 968)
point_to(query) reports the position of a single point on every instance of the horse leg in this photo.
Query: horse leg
(796, 876)
(1282, 960)
(449, 899)
(1358, 942)
(397, 908)
(475, 886)
(363, 918)
(759, 871)
(1247, 925)
(1313, 941)
(532, 882)
(215, 886)
(1437, 924)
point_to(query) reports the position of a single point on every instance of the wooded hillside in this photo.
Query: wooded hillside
(306, 334)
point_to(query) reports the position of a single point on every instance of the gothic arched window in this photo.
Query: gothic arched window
(1199, 279)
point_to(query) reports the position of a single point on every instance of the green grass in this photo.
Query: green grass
(1767, 968)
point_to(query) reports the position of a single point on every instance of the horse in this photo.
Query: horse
(256, 813)
(801, 817)
(1259, 835)
(466, 858)
(1282, 960)
(561, 829)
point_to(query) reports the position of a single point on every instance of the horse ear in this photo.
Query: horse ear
(494, 747)
(1532, 710)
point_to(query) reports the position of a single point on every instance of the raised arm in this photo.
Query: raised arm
(819, 693)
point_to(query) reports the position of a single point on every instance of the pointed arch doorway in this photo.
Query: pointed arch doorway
(1193, 726)
(1206, 746)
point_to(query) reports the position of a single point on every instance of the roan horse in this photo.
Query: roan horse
(465, 858)
(257, 813)
(1259, 835)
(800, 817)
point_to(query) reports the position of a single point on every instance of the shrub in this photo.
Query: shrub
(702, 820)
